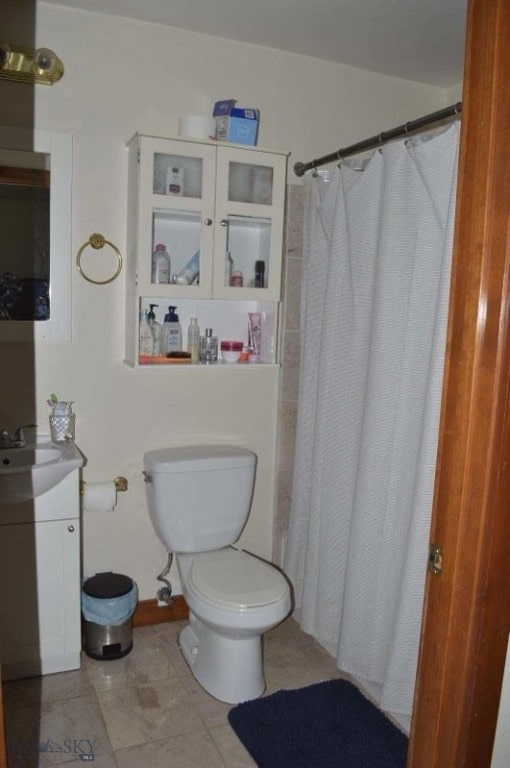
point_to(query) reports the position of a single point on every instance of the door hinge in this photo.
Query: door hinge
(435, 561)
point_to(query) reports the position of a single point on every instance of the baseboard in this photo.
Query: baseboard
(149, 612)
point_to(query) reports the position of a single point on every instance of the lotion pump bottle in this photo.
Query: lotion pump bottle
(156, 331)
(144, 335)
(171, 333)
(194, 340)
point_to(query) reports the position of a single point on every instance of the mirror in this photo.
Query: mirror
(35, 235)
(24, 235)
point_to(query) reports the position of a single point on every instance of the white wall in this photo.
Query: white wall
(123, 76)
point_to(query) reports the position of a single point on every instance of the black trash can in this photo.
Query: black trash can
(108, 602)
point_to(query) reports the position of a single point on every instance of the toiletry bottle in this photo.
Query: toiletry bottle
(145, 335)
(155, 330)
(191, 271)
(208, 347)
(160, 265)
(171, 333)
(260, 267)
(194, 340)
(229, 265)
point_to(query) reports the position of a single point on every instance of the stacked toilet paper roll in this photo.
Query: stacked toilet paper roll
(197, 127)
(99, 497)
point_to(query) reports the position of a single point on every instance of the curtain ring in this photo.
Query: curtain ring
(96, 241)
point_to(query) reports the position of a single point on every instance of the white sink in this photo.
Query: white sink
(36, 468)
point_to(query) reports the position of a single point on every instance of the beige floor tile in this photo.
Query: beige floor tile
(169, 633)
(196, 750)
(35, 690)
(231, 749)
(212, 711)
(156, 714)
(65, 727)
(294, 665)
(100, 761)
(147, 662)
(143, 713)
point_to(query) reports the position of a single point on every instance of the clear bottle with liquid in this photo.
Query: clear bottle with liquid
(160, 273)
(208, 347)
(194, 340)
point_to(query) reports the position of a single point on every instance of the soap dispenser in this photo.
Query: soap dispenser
(155, 330)
(171, 333)
(144, 335)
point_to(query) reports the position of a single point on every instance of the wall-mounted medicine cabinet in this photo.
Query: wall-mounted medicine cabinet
(218, 211)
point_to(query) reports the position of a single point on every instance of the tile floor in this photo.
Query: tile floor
(145, 709)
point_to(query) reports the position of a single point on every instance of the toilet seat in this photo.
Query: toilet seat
(236, 580)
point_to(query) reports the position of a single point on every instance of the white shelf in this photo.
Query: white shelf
(235, 368)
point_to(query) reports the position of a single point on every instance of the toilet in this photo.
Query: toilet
(199, 499)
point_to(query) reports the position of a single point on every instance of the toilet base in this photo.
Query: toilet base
(230, 669)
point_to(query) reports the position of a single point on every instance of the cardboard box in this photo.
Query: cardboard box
(236, 124)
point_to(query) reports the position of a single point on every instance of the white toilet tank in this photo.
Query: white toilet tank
(199, 497)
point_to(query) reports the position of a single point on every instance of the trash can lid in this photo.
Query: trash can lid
(107, 585)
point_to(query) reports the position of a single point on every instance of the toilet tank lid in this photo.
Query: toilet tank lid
(201, 458)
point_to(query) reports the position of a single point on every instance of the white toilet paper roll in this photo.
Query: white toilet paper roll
(197, 127)
(99, 497)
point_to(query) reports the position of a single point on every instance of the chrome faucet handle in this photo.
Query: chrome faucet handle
(19, 435)
(4, 438)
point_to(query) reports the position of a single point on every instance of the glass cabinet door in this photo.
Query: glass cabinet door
(176, 217)
(249, 211)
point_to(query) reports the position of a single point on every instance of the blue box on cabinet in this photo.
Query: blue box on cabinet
(236, 124)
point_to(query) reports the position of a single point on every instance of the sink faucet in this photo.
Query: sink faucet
(16, 441)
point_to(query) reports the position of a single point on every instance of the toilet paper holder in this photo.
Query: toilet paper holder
(121, 484)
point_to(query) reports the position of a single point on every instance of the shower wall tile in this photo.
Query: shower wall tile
(291, 348)
(290, 366)
(294, 226)
(287, 425)
(292, 293)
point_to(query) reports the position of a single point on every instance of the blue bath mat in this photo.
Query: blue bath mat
(327, 725)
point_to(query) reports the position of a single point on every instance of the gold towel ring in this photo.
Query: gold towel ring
(97, 241)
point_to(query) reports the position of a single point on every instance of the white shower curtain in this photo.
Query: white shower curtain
(377, 253)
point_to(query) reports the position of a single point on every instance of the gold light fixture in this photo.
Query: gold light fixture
(29, 65)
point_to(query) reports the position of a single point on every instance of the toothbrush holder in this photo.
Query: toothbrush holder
(62, 428)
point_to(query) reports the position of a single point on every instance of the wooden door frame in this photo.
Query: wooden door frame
(467, 607)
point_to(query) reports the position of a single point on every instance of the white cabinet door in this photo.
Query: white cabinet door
(183, 219)
(250, 192)
(40, 598)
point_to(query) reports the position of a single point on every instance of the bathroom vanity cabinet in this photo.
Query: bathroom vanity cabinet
(219, 211)
(40, 616)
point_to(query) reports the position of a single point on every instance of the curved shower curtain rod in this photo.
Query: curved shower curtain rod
(381, 138)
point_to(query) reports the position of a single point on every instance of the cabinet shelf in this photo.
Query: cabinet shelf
(241, 369)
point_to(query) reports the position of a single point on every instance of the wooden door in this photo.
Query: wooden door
(467, 607)
(3, 758)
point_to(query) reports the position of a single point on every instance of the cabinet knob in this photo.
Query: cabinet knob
(207, 222)
(70, 528)
(223, 223)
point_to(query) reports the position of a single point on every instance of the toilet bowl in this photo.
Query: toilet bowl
(233, 598)
(199, 500)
